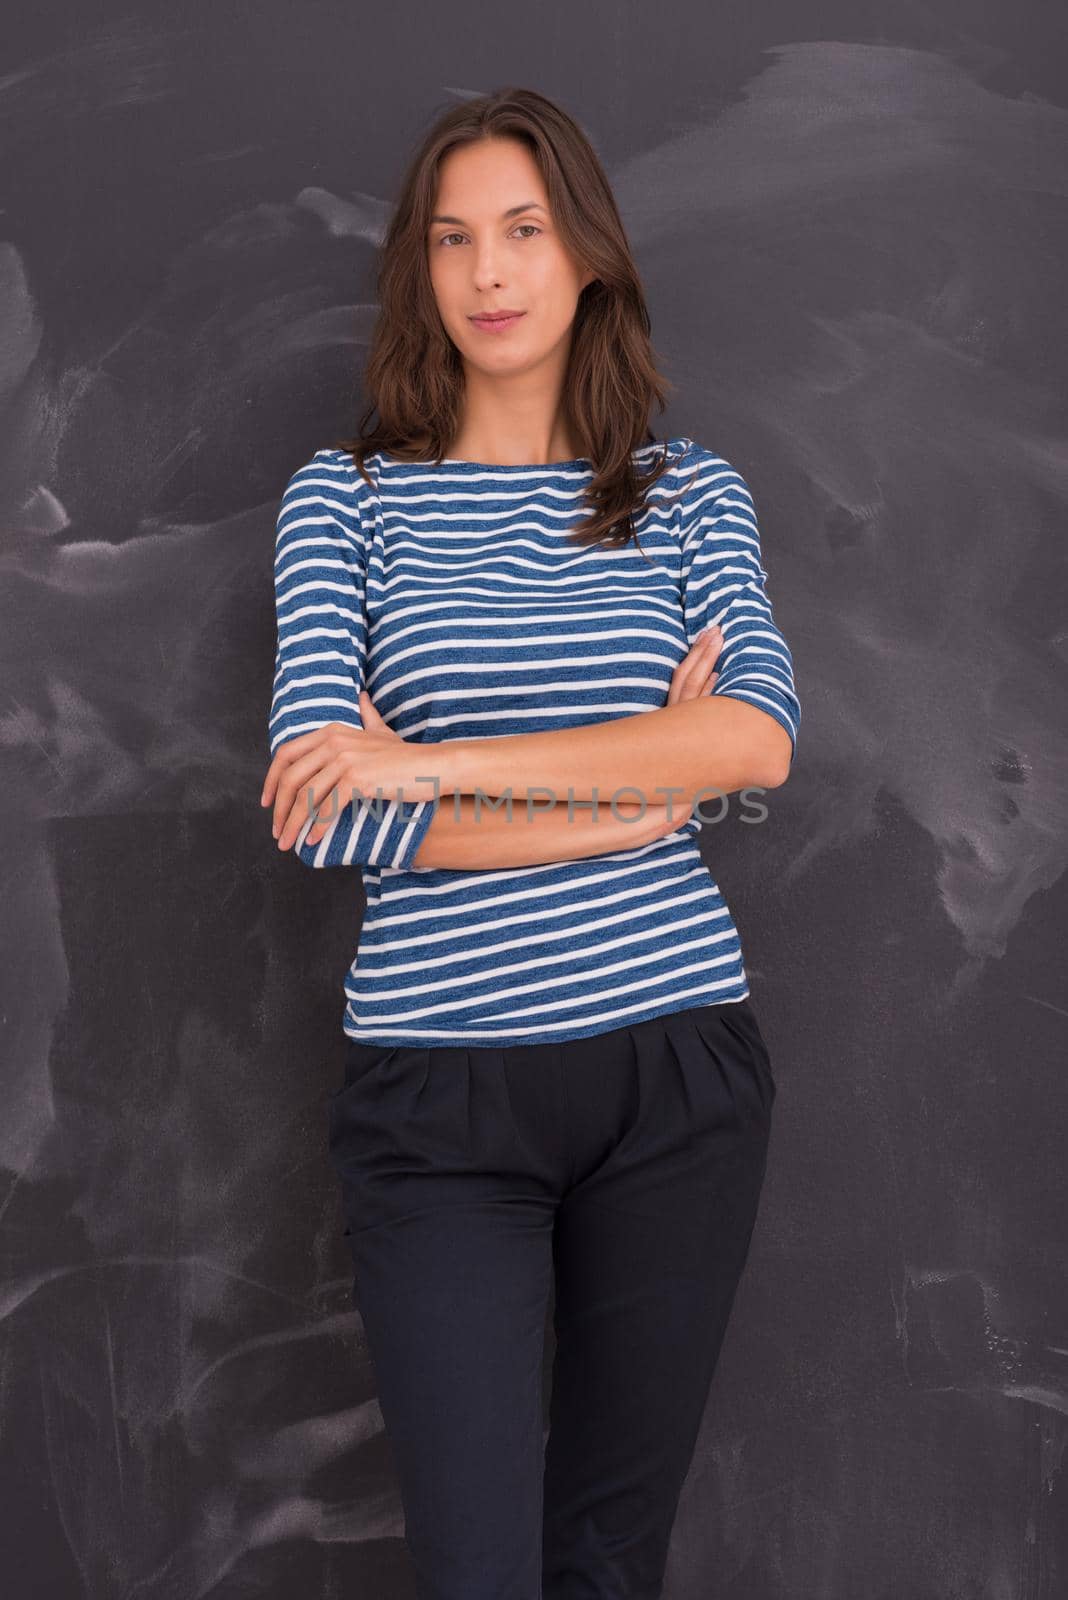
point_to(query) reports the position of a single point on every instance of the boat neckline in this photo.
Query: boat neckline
(487, 466)
(512, 466)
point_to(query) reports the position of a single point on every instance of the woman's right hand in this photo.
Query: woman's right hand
(694, 677)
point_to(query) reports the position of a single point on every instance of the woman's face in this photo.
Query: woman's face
(492, 246)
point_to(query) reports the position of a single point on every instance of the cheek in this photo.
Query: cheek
(555, 287)
(447, 285)
(555, 309)
(439, 283)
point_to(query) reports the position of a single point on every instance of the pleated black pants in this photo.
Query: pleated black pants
(626, 1168)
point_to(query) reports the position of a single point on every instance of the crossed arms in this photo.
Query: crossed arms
(714, 744)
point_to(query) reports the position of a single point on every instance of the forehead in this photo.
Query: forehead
(489, 181)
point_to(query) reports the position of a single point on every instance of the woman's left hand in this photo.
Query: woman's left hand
(694, 677)
(320, 770)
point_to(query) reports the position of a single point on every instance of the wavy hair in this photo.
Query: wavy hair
(414, 376)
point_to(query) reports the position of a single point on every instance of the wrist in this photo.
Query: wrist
(450, 766)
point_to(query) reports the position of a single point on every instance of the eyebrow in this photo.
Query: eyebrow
(513, 211)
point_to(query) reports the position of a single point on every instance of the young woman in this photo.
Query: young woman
(517, 639)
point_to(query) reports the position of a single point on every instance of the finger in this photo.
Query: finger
(297, 776)
(690, 676)
(703, 653)
(317, 807)
(327, 809)
(710, 642)
(340, 794)
(326, 794)
(284, 757)
(270, 781)
(300, 769)
(368, 711)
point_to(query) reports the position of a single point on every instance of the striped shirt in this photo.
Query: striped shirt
(449, 592)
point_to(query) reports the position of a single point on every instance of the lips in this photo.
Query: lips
(497, 322)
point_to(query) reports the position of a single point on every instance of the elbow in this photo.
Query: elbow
(769, 733)
(776, 758)
(776, 778)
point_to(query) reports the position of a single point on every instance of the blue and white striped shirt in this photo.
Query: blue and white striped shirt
(449, 592)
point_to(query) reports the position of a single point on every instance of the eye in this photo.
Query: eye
(445, 237)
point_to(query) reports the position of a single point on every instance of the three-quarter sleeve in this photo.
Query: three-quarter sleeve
(321, 656)
(724, 581)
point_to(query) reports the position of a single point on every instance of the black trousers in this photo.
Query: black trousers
(625, 1171)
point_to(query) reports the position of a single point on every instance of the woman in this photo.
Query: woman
(554, 1076)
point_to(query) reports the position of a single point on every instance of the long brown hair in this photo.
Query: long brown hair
(414, 375)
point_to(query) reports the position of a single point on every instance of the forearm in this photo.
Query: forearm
(458, 838)
(713, 743)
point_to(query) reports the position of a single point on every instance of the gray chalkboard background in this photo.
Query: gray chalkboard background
(851, 220)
